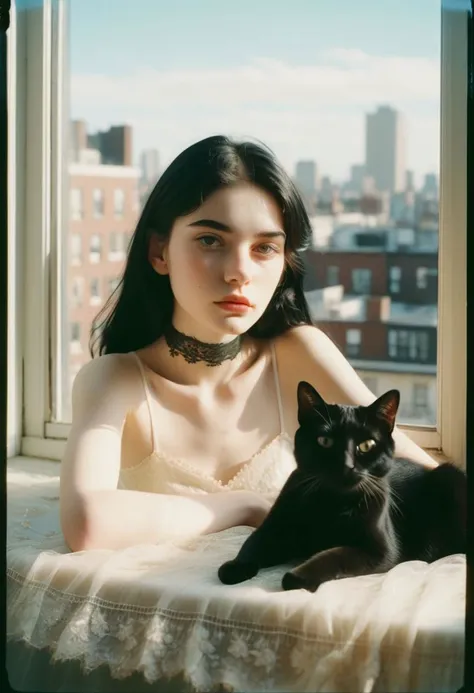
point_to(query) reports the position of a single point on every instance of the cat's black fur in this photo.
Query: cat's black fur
(344, 512)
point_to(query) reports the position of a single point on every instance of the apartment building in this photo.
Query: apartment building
(104, 207)
(374, 292)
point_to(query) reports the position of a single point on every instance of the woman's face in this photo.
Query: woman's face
(232, 245)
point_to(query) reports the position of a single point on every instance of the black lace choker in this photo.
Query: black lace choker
(193, 351)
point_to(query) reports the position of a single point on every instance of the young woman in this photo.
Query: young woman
(184, 423)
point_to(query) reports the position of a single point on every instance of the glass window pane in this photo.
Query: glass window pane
(98, 203)
(119, 203)
(352, 113)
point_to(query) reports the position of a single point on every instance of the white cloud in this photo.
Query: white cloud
(315, 111)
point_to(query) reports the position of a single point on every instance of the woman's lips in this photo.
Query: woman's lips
(232, 307)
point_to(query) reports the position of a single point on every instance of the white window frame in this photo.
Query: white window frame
(38, 116)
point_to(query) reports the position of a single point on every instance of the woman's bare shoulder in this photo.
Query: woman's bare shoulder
(110, 374)
(304, 341)
(312, 356)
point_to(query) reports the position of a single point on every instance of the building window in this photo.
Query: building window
(119, 203)
(332, 278)
(77, 204)
(136, 200)
(405, 345)
(118, 245)
(362, 281)
(95, 248)
(114, 242)
(95, 299)
(75, 338)
(76, 249)
(75, 332)
(113, 283)
(395, 279)
(420, 399)
(98, 203)
(422, 277)
(353, 340)
(77, 291)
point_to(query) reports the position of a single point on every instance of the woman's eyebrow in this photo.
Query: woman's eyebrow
(220, 226)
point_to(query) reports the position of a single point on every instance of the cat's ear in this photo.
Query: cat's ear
(308, 400)
(385, 408)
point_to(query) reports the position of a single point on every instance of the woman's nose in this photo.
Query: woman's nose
(237, 268)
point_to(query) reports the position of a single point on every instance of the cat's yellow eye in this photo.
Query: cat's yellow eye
(325, 442)
(366, 446)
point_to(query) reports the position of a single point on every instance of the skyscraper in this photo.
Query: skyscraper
(150, 166)
(385, 149)
(306, 177)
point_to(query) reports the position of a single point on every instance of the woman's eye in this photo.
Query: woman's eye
(366, 446)
(325, 442)
(268, 249)
(207, 241)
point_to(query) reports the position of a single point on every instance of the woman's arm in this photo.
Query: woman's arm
(94, 513)
(115, 519)
(318, 360)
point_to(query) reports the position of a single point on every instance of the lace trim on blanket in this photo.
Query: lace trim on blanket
(162, 643)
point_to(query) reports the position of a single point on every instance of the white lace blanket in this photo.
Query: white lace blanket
(161, 610)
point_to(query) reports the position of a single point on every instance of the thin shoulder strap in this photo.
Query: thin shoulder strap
(277, 388)
(148, 398)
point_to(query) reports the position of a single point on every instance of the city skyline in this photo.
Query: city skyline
(306, 99)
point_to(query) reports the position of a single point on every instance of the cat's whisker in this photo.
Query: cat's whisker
(392, 500)
(307, 484)
(392, 496)
(311, 487)
(374, 489)
(366, 492)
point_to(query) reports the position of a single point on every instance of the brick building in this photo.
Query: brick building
(374, 292)
(104, 206)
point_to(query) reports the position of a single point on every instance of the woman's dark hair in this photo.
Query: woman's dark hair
(140, 309)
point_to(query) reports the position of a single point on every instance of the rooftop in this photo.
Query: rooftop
(355, 236)
(332, 304)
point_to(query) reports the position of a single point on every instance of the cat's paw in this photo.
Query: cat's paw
(233, 572)
(290, 581)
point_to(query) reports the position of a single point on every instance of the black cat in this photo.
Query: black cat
(350, 508)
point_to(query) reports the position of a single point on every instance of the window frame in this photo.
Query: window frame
(359, 275)
(330, 270)
(353, 346)
(38, 115)
(98, 214)
(394, 279)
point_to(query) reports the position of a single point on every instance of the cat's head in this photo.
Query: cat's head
(343, 445)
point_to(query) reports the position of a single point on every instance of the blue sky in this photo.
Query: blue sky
(119, 34)
(177, 71)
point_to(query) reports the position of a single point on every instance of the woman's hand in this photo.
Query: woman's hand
(258, 508)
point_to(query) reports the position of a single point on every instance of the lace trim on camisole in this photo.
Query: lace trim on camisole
(265, 472)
